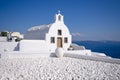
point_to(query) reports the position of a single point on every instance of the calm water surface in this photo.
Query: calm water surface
(110, 48)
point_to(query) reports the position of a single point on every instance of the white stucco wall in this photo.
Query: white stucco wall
(9, 46)
(33, 46)
(53, 32)
(79, 52)
(3, 39)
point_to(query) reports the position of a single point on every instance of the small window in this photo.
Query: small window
(65, 40)
(52, 40)
(59, 32)
(59, 18)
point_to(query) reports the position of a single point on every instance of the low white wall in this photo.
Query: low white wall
(9, 46)
(93, 58)
(33, 46)
(79, 52)
(3, 39)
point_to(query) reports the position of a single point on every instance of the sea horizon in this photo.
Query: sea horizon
(110, 48)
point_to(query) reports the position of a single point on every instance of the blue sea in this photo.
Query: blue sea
(110, 48)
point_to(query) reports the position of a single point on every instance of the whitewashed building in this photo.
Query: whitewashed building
(43, 41)
(47, 37)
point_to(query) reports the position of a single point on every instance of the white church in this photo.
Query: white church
(43, 40)
(47, 37)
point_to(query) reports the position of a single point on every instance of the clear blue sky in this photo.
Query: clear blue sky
(86, 19)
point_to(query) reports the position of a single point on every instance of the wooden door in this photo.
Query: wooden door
(59, 42)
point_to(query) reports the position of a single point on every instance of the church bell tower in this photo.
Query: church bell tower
(59, 18)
